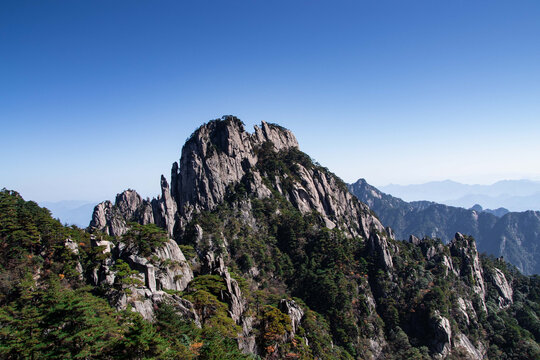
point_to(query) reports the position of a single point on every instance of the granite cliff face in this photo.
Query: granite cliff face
(515, 236)
(218, 156)
(262, 224)
(167, 269)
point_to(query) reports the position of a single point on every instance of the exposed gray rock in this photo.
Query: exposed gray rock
(165, 208)
(144, 301)
(465, 248)
(174, 272)
(247, 341)
(442, 335)
(414, 240)
(376, 348)
(505, 290)
(102, 273)
(234, 298)
(447, 261)
(295, 312)
(322, 192)
(216, 155)
(112, 219)
(72, 246)
(170, 272)
(463, 309)
(233, 295)
(390, 233)
(166, 269)
(379, 246)
(466, 309)
(431, 253)
(473, 353)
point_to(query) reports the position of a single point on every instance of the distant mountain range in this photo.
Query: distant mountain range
(515, 195)
(71, 212)
(514, 235)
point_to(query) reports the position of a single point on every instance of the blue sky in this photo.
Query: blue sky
(99, 96)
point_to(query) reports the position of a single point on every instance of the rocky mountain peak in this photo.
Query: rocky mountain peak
(221, 154)
(216, 155)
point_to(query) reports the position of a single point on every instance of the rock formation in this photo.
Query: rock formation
(218, 155)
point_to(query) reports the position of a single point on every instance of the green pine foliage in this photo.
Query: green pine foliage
(46, 310)
(145, 238)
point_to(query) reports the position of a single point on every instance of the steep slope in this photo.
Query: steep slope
(260, 223)
(515, 236)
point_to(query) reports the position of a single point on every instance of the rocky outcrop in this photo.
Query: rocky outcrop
(465, 248)
(73, 247)
(164, 208)
(295, 312)
(233, 295)
(144, 301)
(234, 298)
(166, 269)
(504, 289)
(414, 240)
(112, 219)
(102, 273)
(321, 191)
(466, 309)
(379, 246)
(442, 335)
(219, 154)
(473, 353)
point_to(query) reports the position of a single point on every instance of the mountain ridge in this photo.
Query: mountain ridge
(513, 235)
(516, 195)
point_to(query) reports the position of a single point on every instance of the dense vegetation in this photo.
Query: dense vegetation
(47, 310)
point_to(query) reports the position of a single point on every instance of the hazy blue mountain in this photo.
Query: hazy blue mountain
(513, 203)
(514, 235)
(515, 195)
(71, 212)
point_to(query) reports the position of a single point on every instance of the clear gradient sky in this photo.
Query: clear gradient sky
(99, 96)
